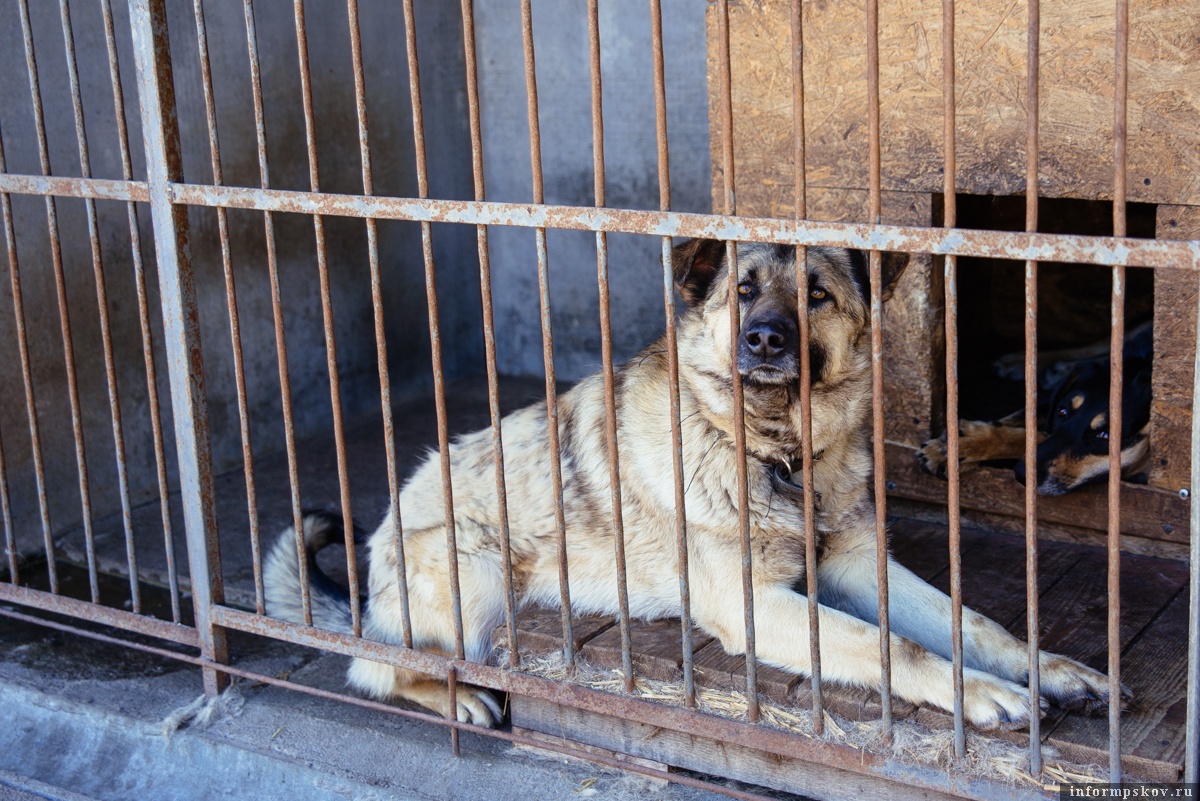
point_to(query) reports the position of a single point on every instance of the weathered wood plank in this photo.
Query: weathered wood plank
(1174, 344)
(1076, 99)
(740, 763)
(1145, 511)
(539, 631)
(656, 648)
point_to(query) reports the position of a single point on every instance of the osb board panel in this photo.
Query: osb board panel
(1174, 343)
(1076, 98)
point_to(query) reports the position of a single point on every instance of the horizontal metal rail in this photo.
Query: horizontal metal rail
(95, 613)
(58, 186)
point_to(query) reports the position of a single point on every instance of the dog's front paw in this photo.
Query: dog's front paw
(931, 457)
(477, 706)
(993, 703)
(1077, 687)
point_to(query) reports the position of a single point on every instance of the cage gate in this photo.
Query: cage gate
(821, 196)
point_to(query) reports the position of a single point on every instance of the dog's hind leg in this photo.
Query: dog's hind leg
(433, 621)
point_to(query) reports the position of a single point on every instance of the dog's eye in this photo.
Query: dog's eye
(745, 288)
(1062, 411)
(1102, 435)
(817, 294)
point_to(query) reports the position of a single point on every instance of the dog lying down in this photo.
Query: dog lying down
(768, 359)
(1072, 416)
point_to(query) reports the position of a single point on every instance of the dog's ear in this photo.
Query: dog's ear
(695, 264)
(891, 267)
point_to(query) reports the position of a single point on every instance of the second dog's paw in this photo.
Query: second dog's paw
(931, 457)
(478, 706)
(990, 702)
(1077, 687)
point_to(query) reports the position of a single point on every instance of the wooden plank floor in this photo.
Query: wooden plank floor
(1072, 581)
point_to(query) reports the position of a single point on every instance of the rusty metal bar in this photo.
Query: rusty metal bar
(1017, 246)
(800, 211)
(610, 396)
(94, 613)
(10, 541)
(385, 382)
(875, 204)
(139, 276)
(664, 204)
(235, 329)
(953, 509)
(1191, 754)
(59, 186)
(335, 384)
(739, 409)
(489, 330)
(452, 682)
(285, 390)
(1116, 359)
(435, 335)
(181, 326)
(63, 311)
(535, 157)
(110, 370)
(1032, 625)
(39, 469)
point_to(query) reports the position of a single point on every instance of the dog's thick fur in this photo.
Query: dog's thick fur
(768, 361)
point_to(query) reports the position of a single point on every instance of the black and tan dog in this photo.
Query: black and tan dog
(1072, 420)
(768, 362)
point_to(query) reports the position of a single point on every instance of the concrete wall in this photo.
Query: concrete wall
(563, 83)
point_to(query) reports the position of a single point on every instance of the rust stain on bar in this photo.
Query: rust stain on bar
(739, 410)
(59, 186)
(489, 330)
(39, 469)
(1017, 246)
(63, 312)
(94, 613)
(610, 393)
(535, 153)
(139, 278)
(285, 390)
(953, 510)
(435, 336)
(385, 382)
(110, 370)
(335, 384)
(806, 453)
(664, 204)
(1033, 630)
(235, 332)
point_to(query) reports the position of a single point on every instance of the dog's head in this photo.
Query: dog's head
(1075, 450)
(768, 337)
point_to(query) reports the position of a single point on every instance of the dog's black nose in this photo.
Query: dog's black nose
(767, 336)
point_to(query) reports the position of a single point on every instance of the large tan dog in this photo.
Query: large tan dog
(768, 361)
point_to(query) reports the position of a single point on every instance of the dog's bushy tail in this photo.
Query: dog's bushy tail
(281, 576)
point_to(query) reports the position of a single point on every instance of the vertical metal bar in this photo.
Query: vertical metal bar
(1116, 357)
(285, 390)
(610, 397)
(739, 409)
(435, 336)
(235, 328)
(139, 276)
(664, 204)
(10, 542)
(953, 511)
(875, 204)
(800, 180)
(63, 312)
(1032, 624)
(452, 684)
(181, 325)
(39, 470)
(535, 154)
(1191, 755)
(335, 386)
(489, 329)
(385, 383)
(110, 370)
